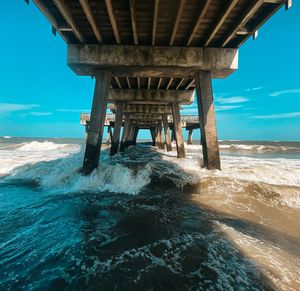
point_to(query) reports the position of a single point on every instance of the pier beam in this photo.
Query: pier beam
(207, 120)
(190, 137)
(167, 133)
(177, 128)
(95, 130)
(117, 128)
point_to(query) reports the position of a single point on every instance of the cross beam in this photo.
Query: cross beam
(152, 61)
(151, 96)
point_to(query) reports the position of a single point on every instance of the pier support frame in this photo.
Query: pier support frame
(207, 120)
(117, 128)
(167, 133)
(178, 131)
(95, 130)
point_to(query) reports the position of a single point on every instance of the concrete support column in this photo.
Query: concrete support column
(172, 135)
(117, 128)
(126, 131)
(152, 132)
(190, 136)
(161, 142)
(178, 131)
(97, 119)
(207, 119)
(109, 135)
(129, 139)
(136, 132)
(167, 133)
(157, 139)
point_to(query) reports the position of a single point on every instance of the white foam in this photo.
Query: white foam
(64, 175)
(46, 145)
(31, 153)
(258, 148)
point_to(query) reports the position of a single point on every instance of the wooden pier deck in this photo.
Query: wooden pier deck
(146, 53)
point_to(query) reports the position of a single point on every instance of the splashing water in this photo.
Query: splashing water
(147, 220)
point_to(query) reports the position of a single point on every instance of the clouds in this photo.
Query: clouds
(232, 100)
(226, 107)
(70, 110)
(283, 92)
(13, 107)
(34, 113)
(278, 116)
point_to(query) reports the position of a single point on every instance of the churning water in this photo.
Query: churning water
(148, 221)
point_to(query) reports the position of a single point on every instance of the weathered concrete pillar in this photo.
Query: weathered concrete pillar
(172, 135)
(178, 131)
(109, 135)
(152, 132)
(161, 142)
(207, 119)
(129, 138)
(117, 128)
(126, 131)
(167, 133)
(190, 136)
(97, 119)
(157, 139)
(136, 132)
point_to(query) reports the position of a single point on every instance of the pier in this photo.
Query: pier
(148, 57)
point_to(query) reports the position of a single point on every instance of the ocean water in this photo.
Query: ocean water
(148, 221)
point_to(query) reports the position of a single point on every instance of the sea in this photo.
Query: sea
(146, 220)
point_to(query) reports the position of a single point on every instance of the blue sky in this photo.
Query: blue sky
(41, 97)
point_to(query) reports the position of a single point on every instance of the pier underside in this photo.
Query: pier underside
(148, 58)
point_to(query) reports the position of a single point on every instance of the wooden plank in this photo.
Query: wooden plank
(252, 7)
(207, 120)
(96, 124)
(149, 83)
(118, 82)
(198, 21)
(167, 133)
(190, 84)
(159, 83)
(230, 5)
(67, 15)
(179, 84)
(266, 16)
(169, 83)
(177, 128)
(177, 20)
(154, 25)
(113, 21)
(91, 19)
(44, 9)
(133, 21)
(117, 128)
(128, 83)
